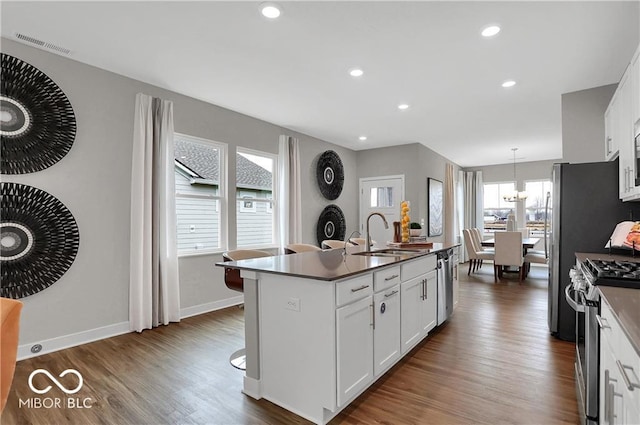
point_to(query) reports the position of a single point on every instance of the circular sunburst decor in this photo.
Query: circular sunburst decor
(37, 123)
(39, 240)
(331, 224)
(330, 175)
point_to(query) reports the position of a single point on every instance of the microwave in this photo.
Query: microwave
(636, 153)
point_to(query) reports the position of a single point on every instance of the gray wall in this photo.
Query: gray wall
(93, 181)
(583, 124)
(416, 162)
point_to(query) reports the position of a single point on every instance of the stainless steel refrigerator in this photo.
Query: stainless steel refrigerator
(585, 210)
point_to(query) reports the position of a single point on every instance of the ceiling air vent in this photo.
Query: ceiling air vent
(42, 44)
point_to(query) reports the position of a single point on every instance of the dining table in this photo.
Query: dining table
(527, 243)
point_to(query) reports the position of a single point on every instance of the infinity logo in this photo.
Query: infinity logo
(55, 381)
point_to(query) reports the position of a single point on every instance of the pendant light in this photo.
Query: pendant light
(515, 196)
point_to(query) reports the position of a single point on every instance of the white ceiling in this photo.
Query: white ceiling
(293, 71)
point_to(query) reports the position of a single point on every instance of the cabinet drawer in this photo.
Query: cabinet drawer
(354, 289)
(610, 330)
(386, 278)
(415, 268)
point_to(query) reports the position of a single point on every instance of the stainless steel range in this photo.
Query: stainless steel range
(594, 270)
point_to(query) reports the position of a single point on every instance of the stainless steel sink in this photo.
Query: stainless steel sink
(388, 252)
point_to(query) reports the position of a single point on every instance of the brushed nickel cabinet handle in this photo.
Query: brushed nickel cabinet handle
(623, 371)
(393, 276)
(599, 319)
(391, 294)
(360, 288)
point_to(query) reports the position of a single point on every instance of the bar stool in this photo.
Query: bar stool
(294, 248)
(234, 282)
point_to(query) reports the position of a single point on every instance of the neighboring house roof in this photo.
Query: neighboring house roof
(202, 162)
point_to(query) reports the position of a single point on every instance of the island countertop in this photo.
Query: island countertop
(329, 265)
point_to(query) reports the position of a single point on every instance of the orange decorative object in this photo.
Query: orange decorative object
(405, 219)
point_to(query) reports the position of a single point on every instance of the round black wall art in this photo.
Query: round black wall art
(331, 224)
(330, 175)
(37, 123)
(39, 240)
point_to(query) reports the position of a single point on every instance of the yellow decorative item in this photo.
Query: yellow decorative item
(405, 219)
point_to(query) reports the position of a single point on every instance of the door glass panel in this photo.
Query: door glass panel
(381, 197)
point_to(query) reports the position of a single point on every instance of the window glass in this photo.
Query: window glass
(254, 198)
(495, 208)
(535, 206)
(198, 182)
(381, 197)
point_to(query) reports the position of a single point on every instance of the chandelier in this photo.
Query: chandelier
(515, 196)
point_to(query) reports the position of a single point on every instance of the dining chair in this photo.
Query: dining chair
(508, 253)
(235, 282)
(475, 256)
(294, 248)
(334, 244)
(477, 240)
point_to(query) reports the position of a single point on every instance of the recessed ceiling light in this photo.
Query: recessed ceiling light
(508, 83)
(363, 138)
(356, 72)
(403, 106)
(490, 31)
(270, 10)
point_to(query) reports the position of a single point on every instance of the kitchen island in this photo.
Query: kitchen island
(321, 327)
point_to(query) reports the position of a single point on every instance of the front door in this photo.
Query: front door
(383, 195)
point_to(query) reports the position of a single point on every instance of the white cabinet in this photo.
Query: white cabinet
(622, 122)
(419, 309)
(354, 326)
(386, 329)
(619, 388)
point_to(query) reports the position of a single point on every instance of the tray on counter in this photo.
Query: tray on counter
(422, 244)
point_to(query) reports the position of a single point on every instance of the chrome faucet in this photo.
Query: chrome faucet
(386, 226)
(346, 241)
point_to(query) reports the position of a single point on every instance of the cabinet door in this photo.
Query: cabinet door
(635, 89)
(610, 144)
(354, 323)
(429, 307)
(386, 338)
(411, 296)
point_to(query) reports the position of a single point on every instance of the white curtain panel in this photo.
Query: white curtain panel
(449, 204)
(473, 202)
(154, 292)
(290, 192)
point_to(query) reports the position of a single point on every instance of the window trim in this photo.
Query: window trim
(222, 205)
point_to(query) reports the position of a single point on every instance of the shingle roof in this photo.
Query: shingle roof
(203, 161)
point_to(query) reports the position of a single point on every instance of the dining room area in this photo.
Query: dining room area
(511, 253)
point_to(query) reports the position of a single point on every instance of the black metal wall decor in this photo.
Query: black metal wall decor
(37, 123)
(330, 175)
(39, 240)
(331, 224)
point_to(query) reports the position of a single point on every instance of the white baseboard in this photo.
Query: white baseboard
(212, 306)
(72, 340)
(85, 337)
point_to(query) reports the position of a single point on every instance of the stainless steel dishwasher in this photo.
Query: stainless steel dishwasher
(445, 284)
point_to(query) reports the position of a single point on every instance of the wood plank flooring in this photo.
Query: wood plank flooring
(493, 362)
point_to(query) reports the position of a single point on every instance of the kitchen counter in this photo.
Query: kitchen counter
(625, 304)
(310, 320)
(329, 265)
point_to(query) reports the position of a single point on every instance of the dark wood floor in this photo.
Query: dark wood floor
(492, 363)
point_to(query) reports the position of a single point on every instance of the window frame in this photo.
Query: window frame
(221, 207)
(542, 207)
(490, 231)
(268, 201)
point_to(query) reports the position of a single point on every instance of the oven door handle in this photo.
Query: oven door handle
(574, 305)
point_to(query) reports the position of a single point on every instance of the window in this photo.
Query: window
(496, 209)
(199, 167)
(381, 197)
(535, 206)
(255, 196)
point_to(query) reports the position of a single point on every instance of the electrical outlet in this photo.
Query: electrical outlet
(293, 304)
